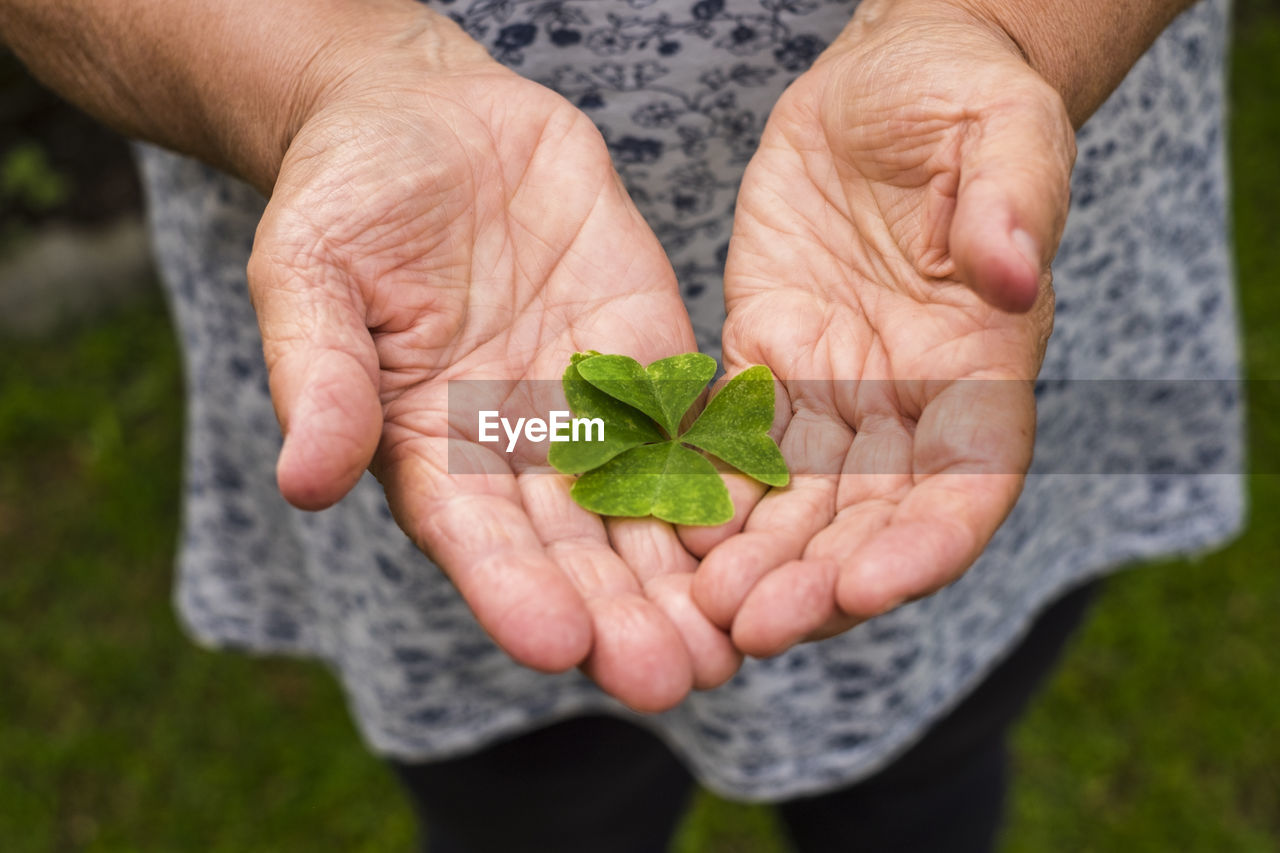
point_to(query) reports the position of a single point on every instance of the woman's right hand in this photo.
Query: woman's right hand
(437, 218)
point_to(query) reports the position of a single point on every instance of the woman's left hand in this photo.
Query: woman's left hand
(889, 263)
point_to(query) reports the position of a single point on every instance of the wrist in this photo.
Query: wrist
(1054, 43)
(912, 31)
(352, 51)
(1082, 49)
(227, 81)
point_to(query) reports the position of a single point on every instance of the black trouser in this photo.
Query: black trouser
(600, 785)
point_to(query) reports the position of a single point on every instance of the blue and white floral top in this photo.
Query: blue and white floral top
(681, 89)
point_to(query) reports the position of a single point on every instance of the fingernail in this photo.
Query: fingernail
(1026, 246)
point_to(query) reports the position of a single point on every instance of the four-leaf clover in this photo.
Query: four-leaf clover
(645, 465)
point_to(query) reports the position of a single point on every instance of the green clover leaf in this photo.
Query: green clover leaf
(734, 427)
(640, 470)
(624, 429)
(666, 480)
(664, 390)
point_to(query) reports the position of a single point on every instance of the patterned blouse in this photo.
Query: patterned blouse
(1140, 424)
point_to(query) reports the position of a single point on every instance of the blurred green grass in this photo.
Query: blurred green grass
(1162, 731)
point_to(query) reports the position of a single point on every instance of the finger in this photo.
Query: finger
(785, 606)
(780, 610)
(777, 531)
(659, 559)
(649, 546)
(713, 655)
(972, 447)
(802, 588)
(781, 525)
(478, 531)
(745, 493)
(936, 533)
(1012, 200)
(638, 655)
(798, 599)
(833, 627)
(323, 373)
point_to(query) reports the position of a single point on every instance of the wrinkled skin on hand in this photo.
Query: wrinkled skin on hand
(469, 226)
(877, 268)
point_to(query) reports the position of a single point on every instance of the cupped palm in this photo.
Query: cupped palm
(469, 228)
(907, 191)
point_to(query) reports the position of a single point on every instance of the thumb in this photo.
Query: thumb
(1011, 205)
(323, 372)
